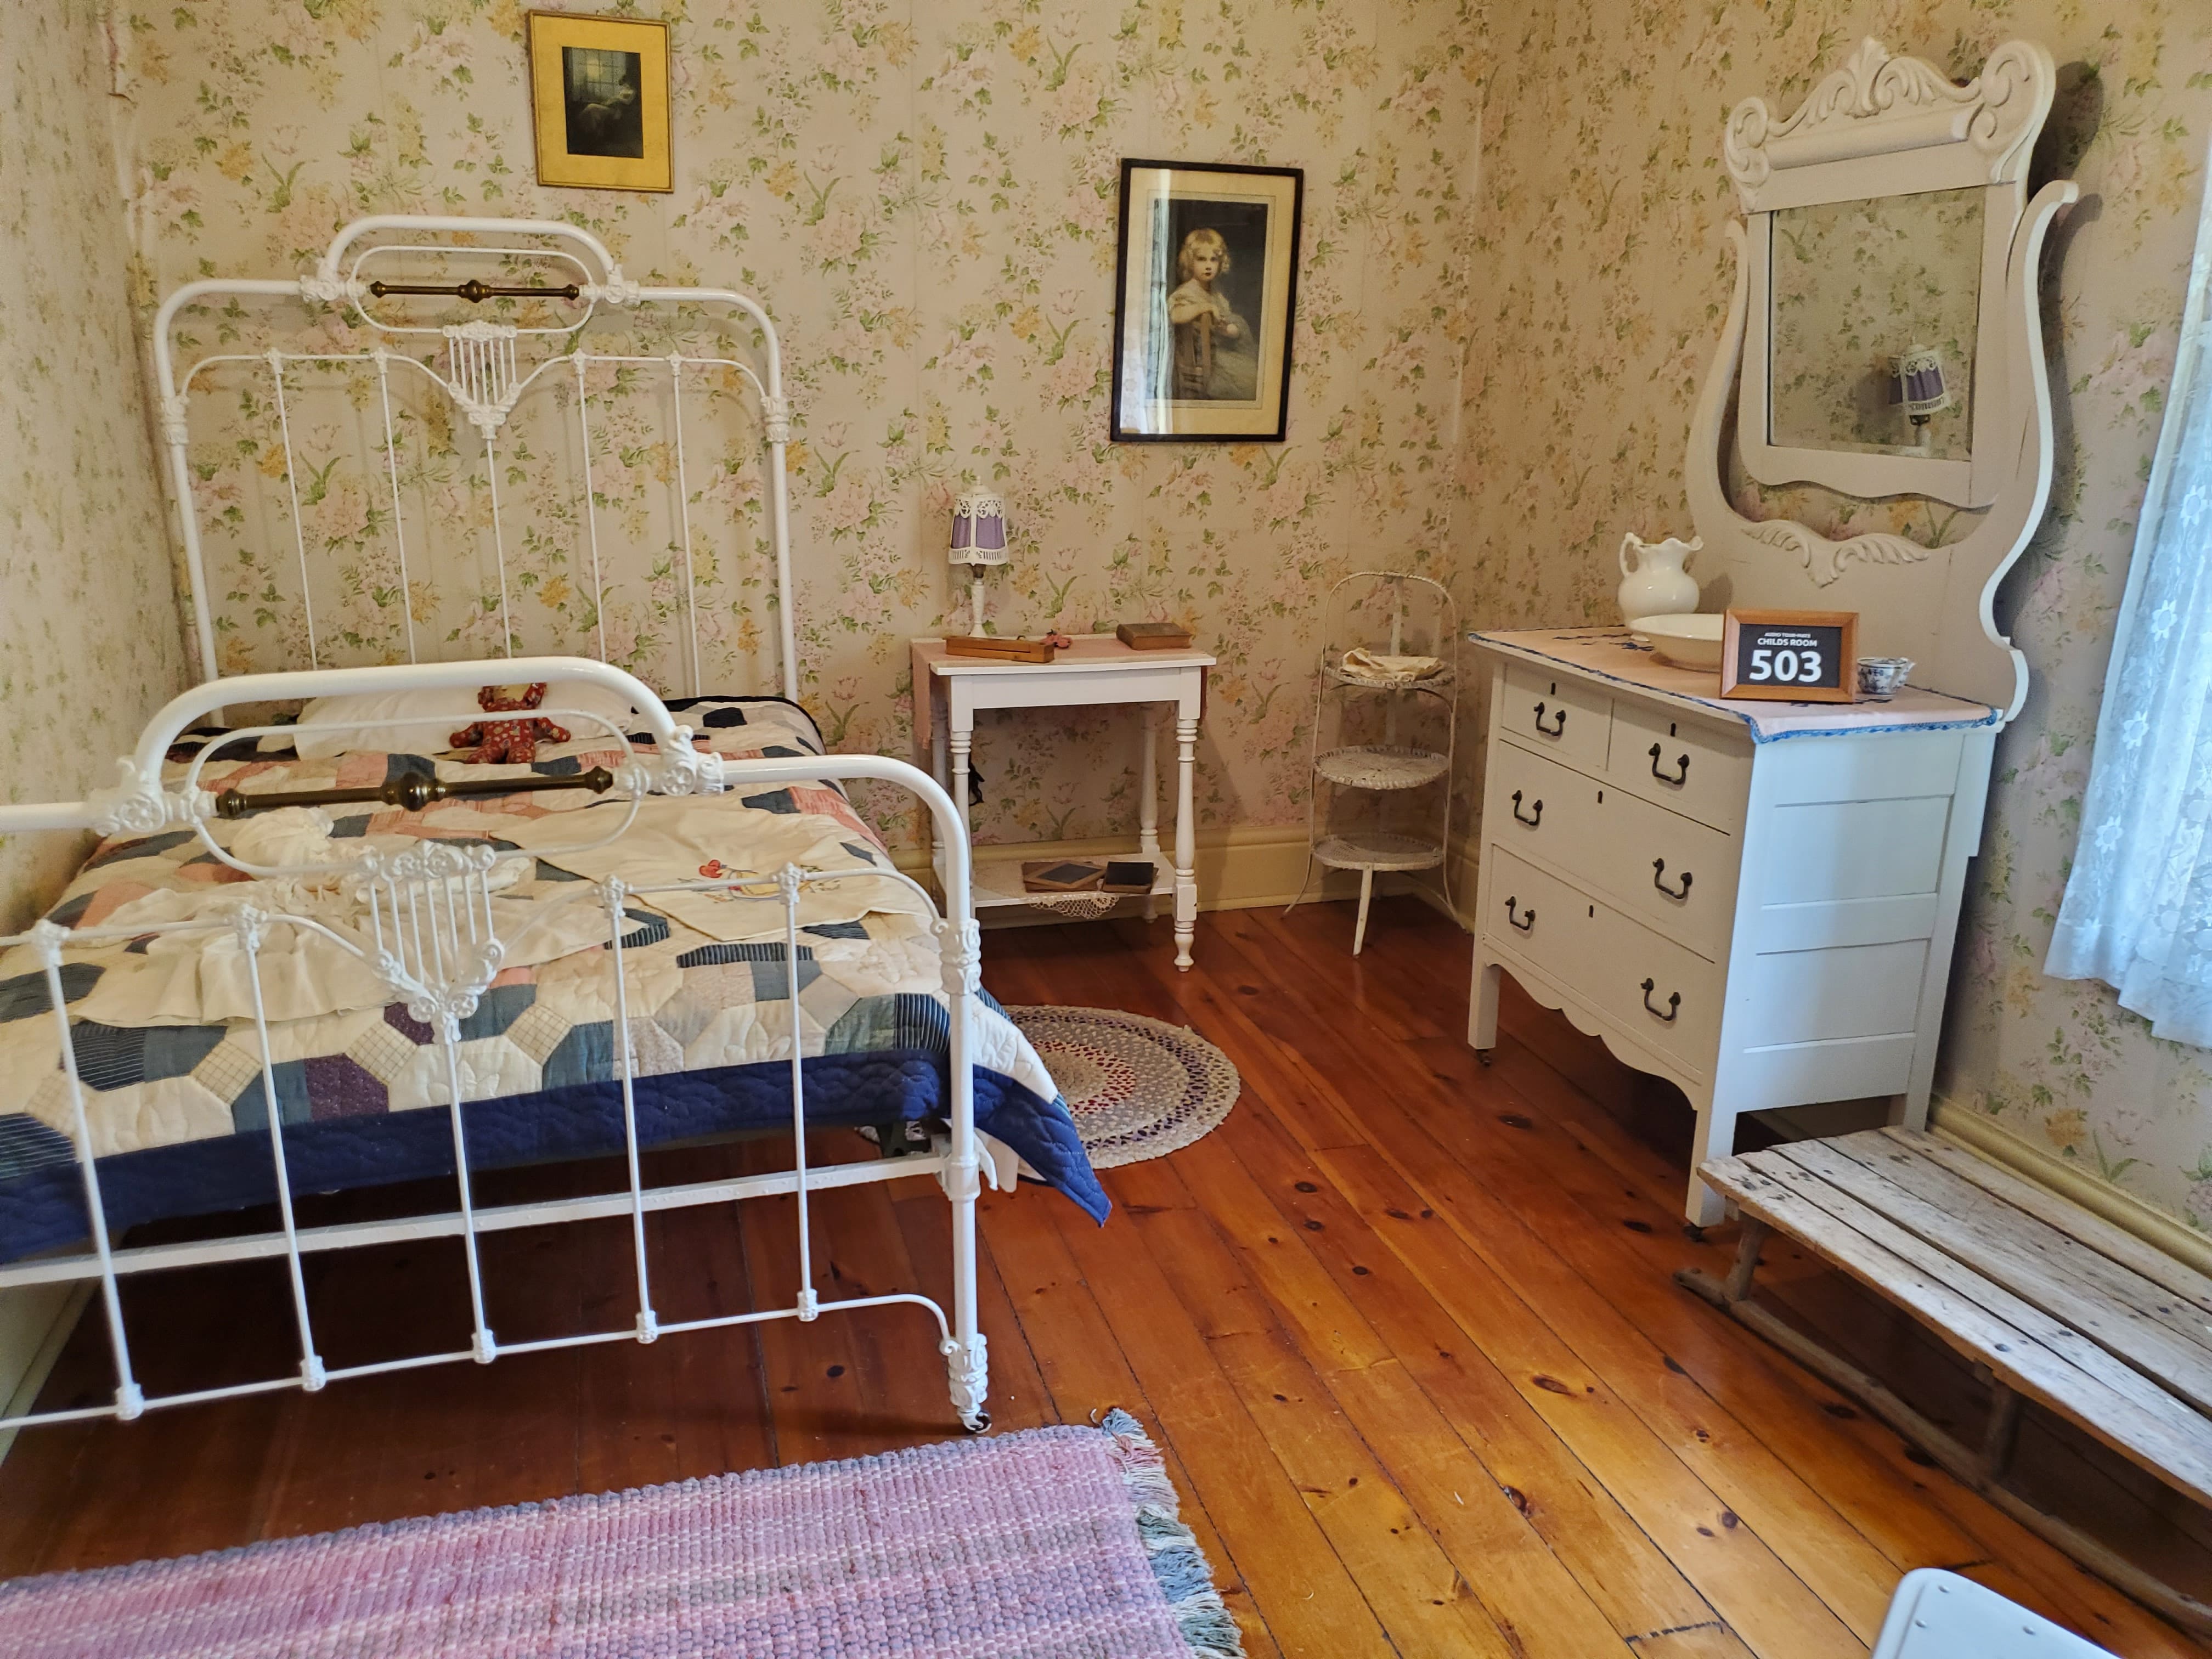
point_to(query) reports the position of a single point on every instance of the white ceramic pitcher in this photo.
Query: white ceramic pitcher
(1657, 584)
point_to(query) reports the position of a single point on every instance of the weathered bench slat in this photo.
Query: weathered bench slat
(2143, 1424)
(2049, 1304)
(2069, 1218)
(2067, 1346)
(1980, 1232)
(2092, 1274)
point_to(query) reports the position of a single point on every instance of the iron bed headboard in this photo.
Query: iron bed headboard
(559, 290)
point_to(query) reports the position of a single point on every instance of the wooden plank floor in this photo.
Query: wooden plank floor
(1404, 1327)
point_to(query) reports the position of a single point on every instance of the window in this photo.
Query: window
(2138, 906)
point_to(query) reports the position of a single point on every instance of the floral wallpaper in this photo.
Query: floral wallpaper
(88, 642)
(1512, 276)
(923, 194)
(1603, 275)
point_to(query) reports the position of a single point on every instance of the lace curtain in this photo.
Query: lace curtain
(2139, 908)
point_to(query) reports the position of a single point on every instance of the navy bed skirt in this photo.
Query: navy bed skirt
(43, 1208)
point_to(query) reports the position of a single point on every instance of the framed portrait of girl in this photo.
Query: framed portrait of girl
(1204, 286)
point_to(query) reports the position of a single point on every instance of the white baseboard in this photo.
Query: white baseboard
(1243, 867)
(1980, 1133)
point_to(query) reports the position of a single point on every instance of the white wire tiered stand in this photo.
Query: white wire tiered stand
(1362, 658)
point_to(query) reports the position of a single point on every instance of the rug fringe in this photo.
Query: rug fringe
(1186, 1578)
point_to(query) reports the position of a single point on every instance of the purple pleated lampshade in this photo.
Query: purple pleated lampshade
(1920, 384)
(979, 528)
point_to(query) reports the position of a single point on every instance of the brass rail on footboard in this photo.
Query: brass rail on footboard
(412, 790)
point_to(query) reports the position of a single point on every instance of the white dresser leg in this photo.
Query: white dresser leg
(1186, 897)
(1482, 1008)
(1714, 1137)
(1909, 1109)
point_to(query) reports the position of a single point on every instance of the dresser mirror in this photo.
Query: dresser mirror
(1883, 346)
(1856, 285)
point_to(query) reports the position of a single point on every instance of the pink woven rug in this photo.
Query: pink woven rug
(1052, 1542)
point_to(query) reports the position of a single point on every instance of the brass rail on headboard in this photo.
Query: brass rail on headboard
(411, 790)
(475, 292)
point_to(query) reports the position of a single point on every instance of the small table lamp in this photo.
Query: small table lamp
(979, 538)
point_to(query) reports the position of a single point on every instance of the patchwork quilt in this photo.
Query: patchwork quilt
(165, 1044)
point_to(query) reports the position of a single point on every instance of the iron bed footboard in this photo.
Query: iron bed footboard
(440, 973)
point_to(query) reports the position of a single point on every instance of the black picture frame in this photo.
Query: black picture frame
(1182, 383)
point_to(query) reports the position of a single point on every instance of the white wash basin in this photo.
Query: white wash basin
(1683, 638)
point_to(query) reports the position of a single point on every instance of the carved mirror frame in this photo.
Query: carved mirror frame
(1889, 126)
(1883, 127)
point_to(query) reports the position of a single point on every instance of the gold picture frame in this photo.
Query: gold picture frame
(598, 96)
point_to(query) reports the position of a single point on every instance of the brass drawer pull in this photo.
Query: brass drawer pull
(1531, 822)
(1681, 768)
(1674, 1003)
(1559, 722)
(1525, 927)
(1659, 869)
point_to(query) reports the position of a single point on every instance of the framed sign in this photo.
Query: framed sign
(1791, 656)
(1204, 283)
(599, 95)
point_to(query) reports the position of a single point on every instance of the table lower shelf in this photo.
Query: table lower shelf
(997, 878)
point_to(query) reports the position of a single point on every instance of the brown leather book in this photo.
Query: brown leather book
(1153, 636)
(1063, 875)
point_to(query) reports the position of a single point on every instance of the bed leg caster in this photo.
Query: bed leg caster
(1482, 1058)
(979, 1423)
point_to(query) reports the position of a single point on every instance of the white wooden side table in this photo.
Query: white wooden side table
(1096, 671)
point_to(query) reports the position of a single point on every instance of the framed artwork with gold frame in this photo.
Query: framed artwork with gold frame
(599, 95)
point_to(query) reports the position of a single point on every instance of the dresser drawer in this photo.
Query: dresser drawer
(1554, 714)
(1541, 810)
(1604, 957)
(1653, 988)
(1673, 872)
(1535, 914)
(1699, 770)
(1620, 846)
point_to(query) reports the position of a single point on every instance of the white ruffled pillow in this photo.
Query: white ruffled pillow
(371, 718)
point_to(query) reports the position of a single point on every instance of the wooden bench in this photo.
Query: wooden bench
(2050, 1303)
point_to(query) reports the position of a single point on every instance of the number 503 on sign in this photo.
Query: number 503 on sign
(1791, 656)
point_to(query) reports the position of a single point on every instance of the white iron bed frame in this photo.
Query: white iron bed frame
(428, 933)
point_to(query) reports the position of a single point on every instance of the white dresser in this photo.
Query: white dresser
(1756, 900)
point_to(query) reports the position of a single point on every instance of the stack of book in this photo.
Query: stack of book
(1088, 876)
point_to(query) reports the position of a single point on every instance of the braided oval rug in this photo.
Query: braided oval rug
(1053, 1541)
(1138, 1087)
